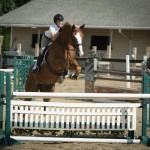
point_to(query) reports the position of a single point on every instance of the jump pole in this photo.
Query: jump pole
(1, 103)
(95, 64)
(88, 140)
(5, 138)
(128, 69)
(79, 95)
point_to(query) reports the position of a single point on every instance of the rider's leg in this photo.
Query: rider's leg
(37, 65)
(44, 43)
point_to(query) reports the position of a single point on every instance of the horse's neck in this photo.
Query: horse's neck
(61, 42)
(64, 39)
(56, 49)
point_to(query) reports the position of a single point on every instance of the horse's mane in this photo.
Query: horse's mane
(67, 24)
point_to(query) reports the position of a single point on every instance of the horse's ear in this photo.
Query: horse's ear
(81, 27)
(73, 27)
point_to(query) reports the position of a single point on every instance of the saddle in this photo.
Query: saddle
(45, 53)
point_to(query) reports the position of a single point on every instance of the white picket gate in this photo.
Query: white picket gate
(73, 116)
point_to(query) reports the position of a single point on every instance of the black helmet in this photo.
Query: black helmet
(58, 17)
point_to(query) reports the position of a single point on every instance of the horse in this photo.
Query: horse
(60, 56)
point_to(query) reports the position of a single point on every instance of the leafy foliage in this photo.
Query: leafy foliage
(19, 3)
(6, 41)
(7, 5)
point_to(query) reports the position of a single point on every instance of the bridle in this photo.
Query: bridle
(76, 45)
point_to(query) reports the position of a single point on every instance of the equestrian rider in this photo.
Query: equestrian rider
(48, 37)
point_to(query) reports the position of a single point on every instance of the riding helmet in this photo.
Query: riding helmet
(58, 17)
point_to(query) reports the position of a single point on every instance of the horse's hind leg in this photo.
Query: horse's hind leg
(47, 88)
(30, 85)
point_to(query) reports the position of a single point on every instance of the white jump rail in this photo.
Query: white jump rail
(7, 70)
(92, 140)
(79, 95)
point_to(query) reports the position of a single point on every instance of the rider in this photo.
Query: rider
(48, 37)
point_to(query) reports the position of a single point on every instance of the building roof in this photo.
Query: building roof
(122, 14)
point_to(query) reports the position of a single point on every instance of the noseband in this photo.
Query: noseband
(76, 45)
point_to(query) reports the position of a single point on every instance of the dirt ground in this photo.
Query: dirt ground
(79, 86)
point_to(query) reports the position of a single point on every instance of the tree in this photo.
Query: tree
(7, 5)
(19, 3)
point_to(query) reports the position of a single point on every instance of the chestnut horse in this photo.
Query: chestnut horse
(60, 56)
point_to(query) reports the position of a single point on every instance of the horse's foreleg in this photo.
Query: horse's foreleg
(78, 70)
(74, 66)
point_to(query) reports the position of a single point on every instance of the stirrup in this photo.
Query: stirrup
(61, 79)
(35, 68)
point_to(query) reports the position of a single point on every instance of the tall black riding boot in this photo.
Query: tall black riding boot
(37, 65)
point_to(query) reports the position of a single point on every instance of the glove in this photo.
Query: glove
(60, 30)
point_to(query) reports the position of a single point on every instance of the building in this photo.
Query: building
(121, 24)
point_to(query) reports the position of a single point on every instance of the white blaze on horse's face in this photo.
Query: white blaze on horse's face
(79, 39)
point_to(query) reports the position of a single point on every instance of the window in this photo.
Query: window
(35, 40)
(100, 41)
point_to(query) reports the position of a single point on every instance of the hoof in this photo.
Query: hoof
(73, 77)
